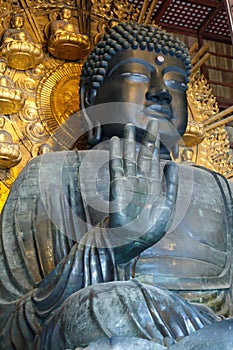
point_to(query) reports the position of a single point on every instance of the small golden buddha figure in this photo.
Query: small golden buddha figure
(10, 154)
(64, 40)
(17, 46)
(11, 98)
(187, 156)
(44, 148)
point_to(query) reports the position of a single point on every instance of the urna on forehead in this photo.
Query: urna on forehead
(131, 36)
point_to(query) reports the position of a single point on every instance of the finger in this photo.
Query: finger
(115, 159)
(171, 180)
(129, 150)
(165, 211)
(155, 161)
(155, 178)
(148, 146)
(155, 171)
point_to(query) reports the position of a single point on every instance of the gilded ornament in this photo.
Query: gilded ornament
(29, 114)
(64, 40)
(109, 9)
(17, 47)
(213, 151)
(40, 148)
(125, 11)
(57, 95)
(35, 131)
(187, 156)
(11, 98)
(44, 148)
(27, 85)
(7, 179)
(10, 154)
(194, 134)
(4, 191)
(102, 8)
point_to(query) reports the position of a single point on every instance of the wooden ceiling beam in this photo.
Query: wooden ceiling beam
(224, 103)
(216, 37)
(211, 15)
(179, 30)
(210, 3)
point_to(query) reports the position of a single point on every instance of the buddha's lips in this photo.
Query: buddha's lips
(159, 111)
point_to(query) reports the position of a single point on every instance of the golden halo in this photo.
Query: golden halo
(58, 95)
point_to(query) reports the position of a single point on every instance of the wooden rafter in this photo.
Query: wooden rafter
(211, 3)
(209, 18)
(179, 30)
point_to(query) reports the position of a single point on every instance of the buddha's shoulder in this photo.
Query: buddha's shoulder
(63, 158)
(198, 170)
(199, 177)
(203, 178)
(60, 157)
(53, 165)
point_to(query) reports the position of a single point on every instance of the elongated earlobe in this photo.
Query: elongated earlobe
(175, 151)
(87, 94)
(87, 99)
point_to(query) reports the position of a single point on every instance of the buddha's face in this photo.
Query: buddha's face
(66, 14)
(155, 83)
(17, 22)
(2, 67)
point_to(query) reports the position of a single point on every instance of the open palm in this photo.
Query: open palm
(139, 207)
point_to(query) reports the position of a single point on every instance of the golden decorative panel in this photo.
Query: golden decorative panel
(58, 95)
(206, 129)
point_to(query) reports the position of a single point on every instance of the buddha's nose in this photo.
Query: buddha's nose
(160, 96)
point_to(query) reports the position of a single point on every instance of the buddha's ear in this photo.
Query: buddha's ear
(87, 94)
(87, 99)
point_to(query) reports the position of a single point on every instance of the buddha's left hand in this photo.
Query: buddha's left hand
(141, 204)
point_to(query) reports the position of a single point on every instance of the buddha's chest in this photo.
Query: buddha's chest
(195, 253)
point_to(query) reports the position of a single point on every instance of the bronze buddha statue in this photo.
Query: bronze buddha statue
(69, 261)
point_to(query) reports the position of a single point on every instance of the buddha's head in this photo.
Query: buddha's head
(3, 66)
(17, 21)
(145, 70)
(66, 13)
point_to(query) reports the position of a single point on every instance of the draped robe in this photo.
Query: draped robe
(54, 244)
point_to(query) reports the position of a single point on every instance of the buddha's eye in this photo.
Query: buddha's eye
(136, 77)
(175, 84)
(175, 80)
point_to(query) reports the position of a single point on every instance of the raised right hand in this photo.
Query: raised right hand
(140, 210)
